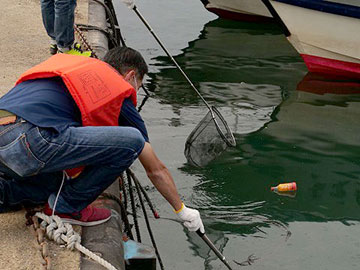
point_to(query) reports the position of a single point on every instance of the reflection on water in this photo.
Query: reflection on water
(243, 69)
(218, 238)
(289, 126)
(313, 140)
(225, 55)
(246, 107)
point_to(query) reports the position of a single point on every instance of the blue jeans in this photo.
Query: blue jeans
(58, 18)
(33, 158)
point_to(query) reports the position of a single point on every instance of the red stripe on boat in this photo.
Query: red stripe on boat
(331, 66)
(237, 16)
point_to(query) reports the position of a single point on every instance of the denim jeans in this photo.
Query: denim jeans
(58, 18)
(33, 158)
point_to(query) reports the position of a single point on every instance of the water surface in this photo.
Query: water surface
(289, 126)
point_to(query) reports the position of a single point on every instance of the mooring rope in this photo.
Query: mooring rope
(64, 234)
(137, 184)
(123, 211)
(133, 207)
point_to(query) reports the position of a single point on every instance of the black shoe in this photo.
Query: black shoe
(53, 49)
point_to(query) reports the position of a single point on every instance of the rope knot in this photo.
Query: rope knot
(61, 233)
(64, 233)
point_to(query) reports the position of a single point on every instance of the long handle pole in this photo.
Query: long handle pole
(213, 248)
(168, 54)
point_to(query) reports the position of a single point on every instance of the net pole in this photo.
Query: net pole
(171, 57)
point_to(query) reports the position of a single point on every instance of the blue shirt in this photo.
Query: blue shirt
(47, 103)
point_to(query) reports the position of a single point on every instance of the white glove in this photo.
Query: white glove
(191, 219)
(129, 3)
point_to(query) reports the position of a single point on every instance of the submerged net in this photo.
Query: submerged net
(208, 140)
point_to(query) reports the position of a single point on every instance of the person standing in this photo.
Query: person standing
(58, 18)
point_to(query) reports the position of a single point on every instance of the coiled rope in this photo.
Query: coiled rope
(64, 234)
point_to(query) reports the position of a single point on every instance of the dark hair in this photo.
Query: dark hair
(124, 59)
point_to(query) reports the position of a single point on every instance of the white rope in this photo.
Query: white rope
(65, 175)
(64, 234)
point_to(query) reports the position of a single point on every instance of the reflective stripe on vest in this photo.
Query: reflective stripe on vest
(97, 89)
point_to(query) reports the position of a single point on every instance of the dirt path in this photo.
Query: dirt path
(23, 44)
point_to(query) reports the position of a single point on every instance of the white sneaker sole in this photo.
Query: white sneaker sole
(83, 223)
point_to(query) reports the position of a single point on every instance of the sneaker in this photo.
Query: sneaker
(53, 49)
(89, 216)
(76, 50)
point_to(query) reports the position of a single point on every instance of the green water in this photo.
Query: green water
(289, 126)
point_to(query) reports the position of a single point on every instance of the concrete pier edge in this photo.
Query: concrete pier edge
(104, 239)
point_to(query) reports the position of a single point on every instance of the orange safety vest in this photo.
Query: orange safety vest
(97, 89)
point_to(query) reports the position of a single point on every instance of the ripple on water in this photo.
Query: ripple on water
(246, 107)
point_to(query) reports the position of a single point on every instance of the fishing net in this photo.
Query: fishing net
(209, 139)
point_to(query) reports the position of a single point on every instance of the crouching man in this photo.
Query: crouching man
(77, 115)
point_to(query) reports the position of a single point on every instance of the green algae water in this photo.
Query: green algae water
(289, 126)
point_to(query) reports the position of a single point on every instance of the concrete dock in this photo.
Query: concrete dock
(24, 43)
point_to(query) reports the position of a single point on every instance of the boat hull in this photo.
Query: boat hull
(320, 38)
(240, 10)
(331, 66)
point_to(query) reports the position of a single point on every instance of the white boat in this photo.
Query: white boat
(244, 10)
(325, 33)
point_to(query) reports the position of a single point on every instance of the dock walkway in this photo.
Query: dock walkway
(24, 43)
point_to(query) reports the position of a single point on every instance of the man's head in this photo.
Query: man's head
(129, 63)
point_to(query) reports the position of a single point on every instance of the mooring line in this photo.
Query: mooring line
(147, 220)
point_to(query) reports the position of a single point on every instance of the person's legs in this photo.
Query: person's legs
(31, 151)
(78, 193)
(18, 166)
(58, 19)
(48, 17)
(33, 190)
(64, 23)
(105, 151)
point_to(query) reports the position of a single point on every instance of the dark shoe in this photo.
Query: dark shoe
(89, 216)
(53, 49)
